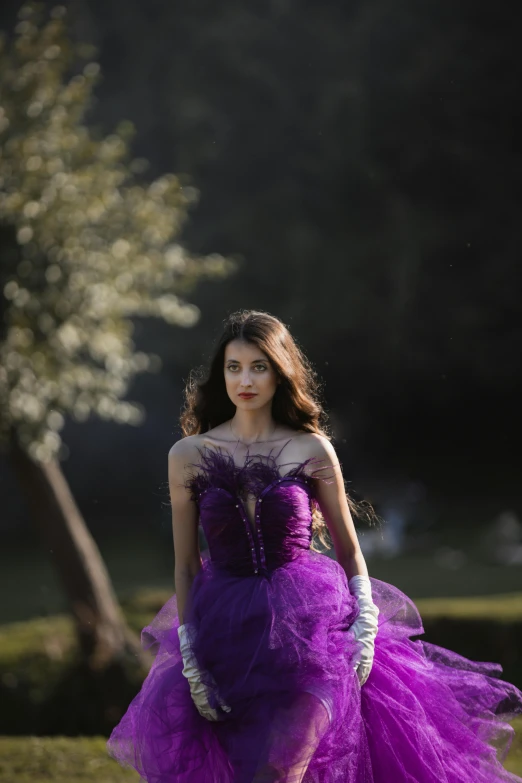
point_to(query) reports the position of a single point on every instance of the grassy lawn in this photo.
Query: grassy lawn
(61, 760)
(514, 760)
(502, 608)
(84, 760)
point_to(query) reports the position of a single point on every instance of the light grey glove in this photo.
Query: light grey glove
(365, 627)
(198, 690)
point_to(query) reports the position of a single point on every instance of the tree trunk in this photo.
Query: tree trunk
(104, 638)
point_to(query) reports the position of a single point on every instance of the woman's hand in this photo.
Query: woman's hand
(198, 690)
(365, 627)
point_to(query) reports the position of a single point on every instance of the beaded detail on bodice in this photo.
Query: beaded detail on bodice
(282, 523)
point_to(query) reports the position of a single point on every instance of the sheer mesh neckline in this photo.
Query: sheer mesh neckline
(250, 454)
(259, 472)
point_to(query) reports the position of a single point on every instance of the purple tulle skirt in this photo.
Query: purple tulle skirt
(280, 652)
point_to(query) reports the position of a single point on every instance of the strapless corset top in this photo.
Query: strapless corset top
(282, 525)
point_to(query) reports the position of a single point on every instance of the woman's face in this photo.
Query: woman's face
(250, 379)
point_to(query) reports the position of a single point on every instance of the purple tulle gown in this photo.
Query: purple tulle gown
(272, 619)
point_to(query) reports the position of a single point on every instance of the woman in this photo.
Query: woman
(274, 662)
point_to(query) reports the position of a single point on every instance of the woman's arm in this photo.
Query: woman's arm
(187, 560)
(331, 497)
(186, 565)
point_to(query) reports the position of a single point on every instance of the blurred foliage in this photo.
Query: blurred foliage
(362, 157)
(85, 245)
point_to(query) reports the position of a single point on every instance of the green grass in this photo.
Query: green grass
(60, 760)
(52, 635)
(501, 608)
(420, 576)
(514, 759)
(85, 760)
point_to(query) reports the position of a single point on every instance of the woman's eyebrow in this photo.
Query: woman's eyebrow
(254, 361)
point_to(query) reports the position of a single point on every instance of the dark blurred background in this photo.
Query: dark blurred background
(361, 161)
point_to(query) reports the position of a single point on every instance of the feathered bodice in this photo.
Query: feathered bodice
(281, 527)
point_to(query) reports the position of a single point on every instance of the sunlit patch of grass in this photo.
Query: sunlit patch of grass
(60, 760)
(501, 608)
(33, 655)
(85, 760)
(514, 759)
(141, 606)
(52, 634)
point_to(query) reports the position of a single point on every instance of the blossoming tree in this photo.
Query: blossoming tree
(85, 245)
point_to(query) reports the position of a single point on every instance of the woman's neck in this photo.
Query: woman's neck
(252, 427)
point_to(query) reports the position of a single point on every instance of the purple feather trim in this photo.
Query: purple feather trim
(217, 468)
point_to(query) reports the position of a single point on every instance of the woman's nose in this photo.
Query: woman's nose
(246, 379)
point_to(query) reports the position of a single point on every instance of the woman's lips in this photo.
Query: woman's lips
(247, 396)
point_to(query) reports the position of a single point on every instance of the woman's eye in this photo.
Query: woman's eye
(232, 367)
(260, 367)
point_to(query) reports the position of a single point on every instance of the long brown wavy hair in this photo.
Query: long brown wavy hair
(296, 402)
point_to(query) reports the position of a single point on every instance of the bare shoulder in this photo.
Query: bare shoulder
(184, 452)
(319, 447)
